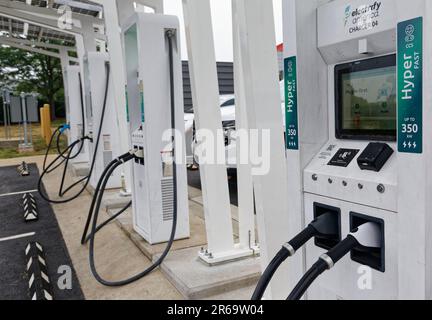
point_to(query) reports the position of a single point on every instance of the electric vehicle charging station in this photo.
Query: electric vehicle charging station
(74, 95)
(149, 114)
(356, 147)
(96, 73)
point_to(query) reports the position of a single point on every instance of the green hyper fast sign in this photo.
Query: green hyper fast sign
(291, 108)
(410, 86)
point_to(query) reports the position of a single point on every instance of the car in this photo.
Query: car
(228, 115)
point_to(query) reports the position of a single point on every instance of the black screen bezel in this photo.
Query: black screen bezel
(356, 66)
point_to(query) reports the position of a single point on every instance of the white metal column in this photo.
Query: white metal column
(260, 75)
(205, 94)
(245, 192)
(64, 63)
(113, 34)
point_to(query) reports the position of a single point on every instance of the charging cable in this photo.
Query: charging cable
(325, 226)
(66, 155)
(367, 237)
(120, 160)
(92, 219)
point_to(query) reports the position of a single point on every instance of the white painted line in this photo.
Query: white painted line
(17, 193)
(25, 235)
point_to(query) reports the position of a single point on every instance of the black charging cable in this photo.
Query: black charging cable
(57, 134)
(93, 216)
(85, 238)
(83, 116)
(48, 149)
(367, 237)
(68, 152)
(325, 226)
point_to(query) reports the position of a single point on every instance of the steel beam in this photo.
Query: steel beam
(205, 94)
(262, 97)
(6, 41)
(115, 49)
(245, 191)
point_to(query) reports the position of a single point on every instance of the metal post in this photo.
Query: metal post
(6, 111)
(24, 118)
(5, 116)
(205, 93)
(247, 238)
(9, 123)
(113, 34)
(64, 59)
(262, 97)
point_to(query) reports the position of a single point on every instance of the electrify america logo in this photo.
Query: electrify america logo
(364, 17)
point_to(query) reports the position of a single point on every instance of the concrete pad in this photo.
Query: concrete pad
(197, 230)
(12, 143)
(25, 148)
(114, 200)
(195, 280)
(80, 169)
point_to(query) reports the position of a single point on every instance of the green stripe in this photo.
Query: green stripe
(291, 107)
(410, 86)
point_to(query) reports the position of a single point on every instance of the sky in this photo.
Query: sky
(222, 25)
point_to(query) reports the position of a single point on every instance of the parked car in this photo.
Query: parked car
(228, 114)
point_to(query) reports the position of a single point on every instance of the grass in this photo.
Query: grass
(38, 142)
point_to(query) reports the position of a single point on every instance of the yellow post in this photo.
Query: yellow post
(47, 123)
(42, 122)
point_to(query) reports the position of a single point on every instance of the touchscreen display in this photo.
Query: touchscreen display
(369, 100)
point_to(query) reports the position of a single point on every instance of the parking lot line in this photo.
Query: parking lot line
(24, 235)
(17, 193)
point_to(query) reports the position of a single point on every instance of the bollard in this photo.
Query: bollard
(47, 123)
(42, 122)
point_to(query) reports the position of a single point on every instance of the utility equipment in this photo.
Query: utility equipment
(77, 109)
(150, 79)
(160, 216)
(357, 146)
(109, 146)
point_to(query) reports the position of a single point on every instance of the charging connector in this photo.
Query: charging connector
(366, 236)
(138, 153)
(325, 226)
(64, 127)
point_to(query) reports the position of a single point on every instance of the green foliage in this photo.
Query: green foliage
(28, 72)
(39, 149)
(39, 143)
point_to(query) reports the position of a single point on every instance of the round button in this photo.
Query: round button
(314, 177)
(360, 186)
(381, 188)
(344, 183)
(330, 181)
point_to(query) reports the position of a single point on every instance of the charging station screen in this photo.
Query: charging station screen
(366, 100)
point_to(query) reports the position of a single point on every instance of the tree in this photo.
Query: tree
(25, 71)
